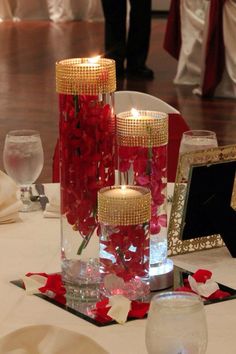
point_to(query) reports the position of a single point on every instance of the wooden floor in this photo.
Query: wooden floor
(28, 52)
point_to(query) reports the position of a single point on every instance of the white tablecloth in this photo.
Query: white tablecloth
(33, 245)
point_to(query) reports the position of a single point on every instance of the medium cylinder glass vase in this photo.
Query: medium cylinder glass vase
(87, 129)
(142, 138)
(124, 215)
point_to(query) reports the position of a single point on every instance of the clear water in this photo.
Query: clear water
(196, 143)
(176, 326)
(23, 158)
(81, 279)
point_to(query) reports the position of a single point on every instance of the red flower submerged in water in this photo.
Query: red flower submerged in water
(86, 158)
(127, 250)
(149, 170)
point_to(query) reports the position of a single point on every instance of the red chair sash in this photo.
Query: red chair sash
(215, 50)
(172, 39)
(177, 126)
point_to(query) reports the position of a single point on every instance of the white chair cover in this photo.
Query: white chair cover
(126, 100)
(27, 9)
(227, 86)
(60, 10)
(5, 10)
(67, 10)
(56, 10)
(192, 13)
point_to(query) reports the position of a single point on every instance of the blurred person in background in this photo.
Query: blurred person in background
(130, 45)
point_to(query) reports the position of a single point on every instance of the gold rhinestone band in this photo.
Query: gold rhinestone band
(82, 76)
(148, 129)
(131, 208)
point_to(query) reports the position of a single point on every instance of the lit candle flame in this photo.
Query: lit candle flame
(123, 188)
(134, 113)
(94, 60)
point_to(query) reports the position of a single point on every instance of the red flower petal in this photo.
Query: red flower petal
(138, 309)
(54, 284)
(202, 275)
(219, 294)
(142, 180)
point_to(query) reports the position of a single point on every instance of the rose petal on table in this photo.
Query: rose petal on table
(33, 283)
(139, 309)
(219, 294)
(101, 311)
(48, 284)
(54, 283)
(203, 289)
(202, 275)
(120, 307)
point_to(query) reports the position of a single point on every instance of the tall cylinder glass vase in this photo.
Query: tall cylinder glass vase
(87, 129)
(142, 138)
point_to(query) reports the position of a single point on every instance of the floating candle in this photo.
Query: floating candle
(124, 205)
(90, 62)
(122, 192)
(142, 128)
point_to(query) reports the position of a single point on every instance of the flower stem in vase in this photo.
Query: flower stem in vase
(121, 255)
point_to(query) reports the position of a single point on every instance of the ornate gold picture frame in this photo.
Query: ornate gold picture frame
(221, 159)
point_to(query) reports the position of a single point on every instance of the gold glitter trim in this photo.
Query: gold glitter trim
(204, 157)
(82, 76)
(148, 129)
(124, 209)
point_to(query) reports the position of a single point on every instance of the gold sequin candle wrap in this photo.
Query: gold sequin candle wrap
(87, 76)
(142, 128)
(124, 205)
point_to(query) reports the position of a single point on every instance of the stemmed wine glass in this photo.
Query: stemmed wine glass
(23, 161)
(195, 140)
(176, 324)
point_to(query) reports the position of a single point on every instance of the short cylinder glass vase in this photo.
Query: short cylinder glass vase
(124, 214)
(142, 138)
(86, 150)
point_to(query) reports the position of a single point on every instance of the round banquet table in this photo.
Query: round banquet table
(33, 245)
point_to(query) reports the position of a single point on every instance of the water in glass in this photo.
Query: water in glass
(176, 324)
(23, 159)
(195, 140)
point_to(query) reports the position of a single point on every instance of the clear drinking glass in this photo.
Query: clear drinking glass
(194, 140)
(23, 161)
(176, 324)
